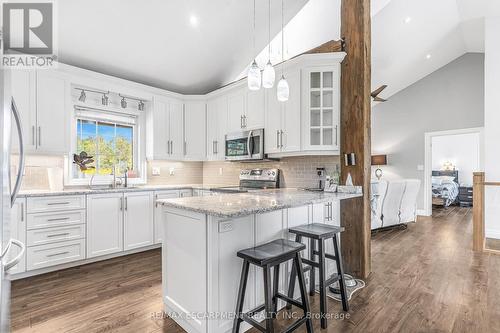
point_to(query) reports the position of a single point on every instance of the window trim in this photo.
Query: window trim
(138, 137)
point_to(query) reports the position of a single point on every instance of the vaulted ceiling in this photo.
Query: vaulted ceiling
(196, 46)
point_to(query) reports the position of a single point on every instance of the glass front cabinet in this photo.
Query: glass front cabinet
(321, 107)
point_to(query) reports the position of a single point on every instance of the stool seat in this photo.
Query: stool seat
(277, 250)
(316, 230)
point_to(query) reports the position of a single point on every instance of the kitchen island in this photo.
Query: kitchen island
(201, 236)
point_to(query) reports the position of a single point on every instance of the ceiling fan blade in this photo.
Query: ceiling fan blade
(378, 90)
(378, 99)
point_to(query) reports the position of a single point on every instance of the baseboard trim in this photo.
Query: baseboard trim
(422, 212)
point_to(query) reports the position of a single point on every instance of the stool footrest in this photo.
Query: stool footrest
(327, 255)
(310, 263)
(332, 279)
(256, 310)
(290, 300)
(295, 325)
(253, 322)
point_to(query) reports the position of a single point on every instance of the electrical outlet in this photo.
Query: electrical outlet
(171, 171)
(221, 171)
(155, 171)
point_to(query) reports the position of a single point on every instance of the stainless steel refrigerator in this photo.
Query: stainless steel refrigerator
(9, 122)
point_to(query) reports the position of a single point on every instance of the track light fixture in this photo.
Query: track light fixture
(123, 103)
(105, 100)
(140, 106)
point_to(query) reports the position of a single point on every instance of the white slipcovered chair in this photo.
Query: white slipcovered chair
(409, 201)
(379, 189)
(392, 203)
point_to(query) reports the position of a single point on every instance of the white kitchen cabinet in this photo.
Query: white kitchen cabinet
(327, 213)
(236, 105)
(283, 118)
(138, 221)
(104, 224)
(18, 232)
(158, 218)
(256, 109)
(216, 128)
(52, 93)
(165, 136)
(194, 131)
(321, 107)
(23, 90)
(42, 98)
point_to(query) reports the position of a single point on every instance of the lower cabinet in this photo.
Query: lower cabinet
(158, 218)
(138, 220)
(104, 224)
(18, 231)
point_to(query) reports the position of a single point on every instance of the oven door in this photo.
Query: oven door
(247, 145)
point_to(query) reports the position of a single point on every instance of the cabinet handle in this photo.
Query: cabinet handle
(121, 204)
(156, 200)
(217, 146)
(185, 148)
(58, 219)
(281, 138)
(57, 254)
(336, 135)
(33, 135)
(277, 139)
(126, 203)
(22, 211)
(171, 147)
(244, 121)
(39, 136)
(241, 121)
(57, 235)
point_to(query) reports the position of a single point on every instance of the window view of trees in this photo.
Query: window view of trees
(110, 144)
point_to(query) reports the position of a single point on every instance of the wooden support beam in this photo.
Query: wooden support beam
(355, 133)
(478, 212)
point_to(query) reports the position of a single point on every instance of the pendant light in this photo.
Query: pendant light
(254, 75)
(268, 76)
(283, 90)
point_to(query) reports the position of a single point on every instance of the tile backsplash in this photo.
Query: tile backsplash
(296, 171)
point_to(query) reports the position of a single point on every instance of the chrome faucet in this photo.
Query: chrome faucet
(120, 182)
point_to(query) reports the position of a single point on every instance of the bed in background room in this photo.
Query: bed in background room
(444, 187)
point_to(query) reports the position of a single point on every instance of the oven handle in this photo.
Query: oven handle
(248, 144)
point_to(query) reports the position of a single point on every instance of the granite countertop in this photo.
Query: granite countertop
(240, 204)
(83, 190)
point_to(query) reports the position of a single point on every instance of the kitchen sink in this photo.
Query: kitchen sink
(313, 189)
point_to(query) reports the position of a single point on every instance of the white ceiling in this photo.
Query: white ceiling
(153, 42)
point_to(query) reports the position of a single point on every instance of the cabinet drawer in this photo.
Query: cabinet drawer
(44, 220)
(52, 204)
(465, 197)
(53, 235)
(55, 254)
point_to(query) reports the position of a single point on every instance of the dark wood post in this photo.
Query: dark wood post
(355, 133)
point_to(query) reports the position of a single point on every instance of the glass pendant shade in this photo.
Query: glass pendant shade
(283, 91)
(254, 76)
(268, 76)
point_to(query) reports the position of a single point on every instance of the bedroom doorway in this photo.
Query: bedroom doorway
(451, 157)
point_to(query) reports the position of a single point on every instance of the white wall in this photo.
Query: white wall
(491, 128)
(450, 98)
(462, 150)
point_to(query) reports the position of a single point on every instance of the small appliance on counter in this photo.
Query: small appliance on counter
(253, 180)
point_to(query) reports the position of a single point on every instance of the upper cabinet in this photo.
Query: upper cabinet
(194, 131)
(321, 108)
(246, 109)
(283, 118)
(165, 135)
(42, 100)
(216, 128)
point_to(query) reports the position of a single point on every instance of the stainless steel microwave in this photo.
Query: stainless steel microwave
(245, 145)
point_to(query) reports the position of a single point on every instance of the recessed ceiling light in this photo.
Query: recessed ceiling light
(428, 56)
(193, 20)
(407, 20)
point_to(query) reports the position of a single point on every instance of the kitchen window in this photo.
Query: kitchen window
(110, 144)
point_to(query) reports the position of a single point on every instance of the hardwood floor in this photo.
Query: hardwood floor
(424, 279)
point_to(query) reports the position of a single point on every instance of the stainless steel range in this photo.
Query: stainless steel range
(253, 180)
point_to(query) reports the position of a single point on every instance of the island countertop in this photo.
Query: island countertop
(241, 204)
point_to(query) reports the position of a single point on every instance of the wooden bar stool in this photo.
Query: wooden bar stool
(318, 232)
(268, 256)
